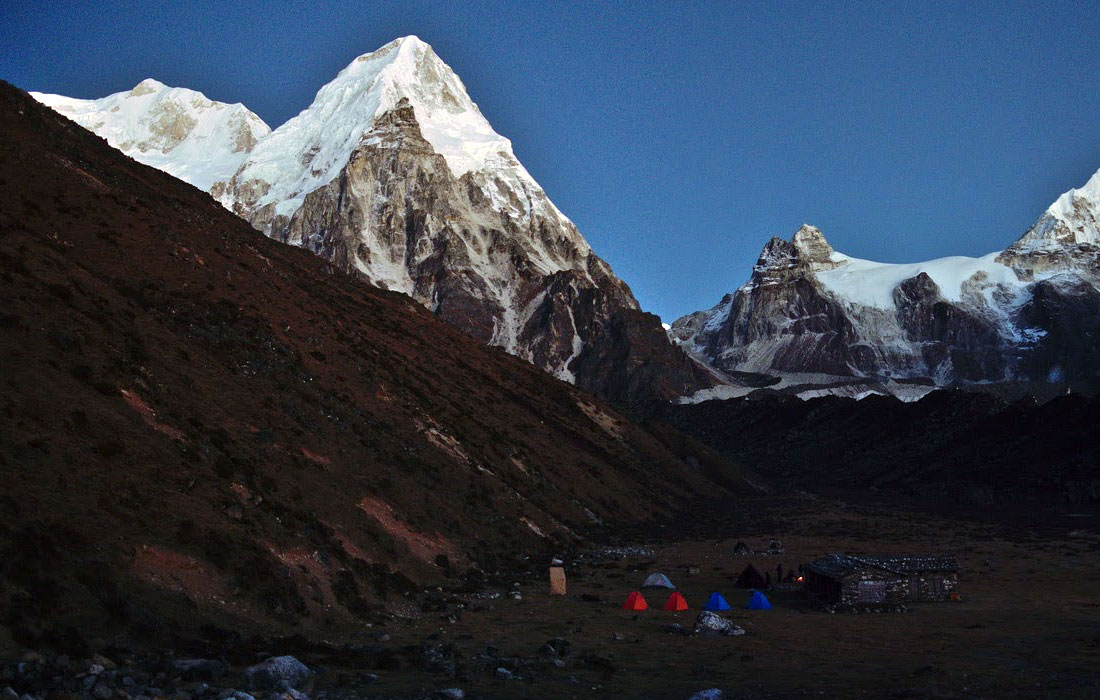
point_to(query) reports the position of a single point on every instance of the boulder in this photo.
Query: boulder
(714, 625)
(277, 673)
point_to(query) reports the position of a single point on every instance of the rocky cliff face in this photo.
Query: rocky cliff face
(1066, 238)
(780, 320)
(394, 175)
(1027, 313)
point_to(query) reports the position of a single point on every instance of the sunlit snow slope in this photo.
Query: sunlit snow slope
(311, 149)
(177, 130)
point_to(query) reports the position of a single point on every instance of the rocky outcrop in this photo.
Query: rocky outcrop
(780, 320)
(949, 334)
(1065, 314)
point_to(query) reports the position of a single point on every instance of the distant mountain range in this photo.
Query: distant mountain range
(394, 175)
(821, 321)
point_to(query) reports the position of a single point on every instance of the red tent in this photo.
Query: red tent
(676, 603)
(635, 601)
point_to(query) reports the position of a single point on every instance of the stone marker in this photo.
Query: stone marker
(557, 580)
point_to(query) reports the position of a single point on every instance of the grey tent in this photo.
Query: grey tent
(657, 581)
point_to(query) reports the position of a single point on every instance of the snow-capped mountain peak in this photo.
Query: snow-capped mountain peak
(1065, 237)
(1073, 218)
(393, 174)
(177, 130)
(311, 149)
(1078, 209)
(147, 87)
(816, 316)
(448, 118)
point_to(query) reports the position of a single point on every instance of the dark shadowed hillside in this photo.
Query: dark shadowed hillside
(201, 428)
(958, 446)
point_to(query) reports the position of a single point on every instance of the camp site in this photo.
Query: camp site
(721, 611)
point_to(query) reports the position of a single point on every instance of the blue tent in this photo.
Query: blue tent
(758, 602)
(716, 602)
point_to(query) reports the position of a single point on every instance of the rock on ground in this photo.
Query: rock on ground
(712, 624)
(277, 673)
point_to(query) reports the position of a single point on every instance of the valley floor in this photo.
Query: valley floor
(1027, 624)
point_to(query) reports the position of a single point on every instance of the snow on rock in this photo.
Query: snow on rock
(1073, 218)
(1065, 238)
(393, 174)
(177, 130)
(311, 149)
(873, 283)
(1010, 315)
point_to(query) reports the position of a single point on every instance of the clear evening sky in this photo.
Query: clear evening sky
(678, 136)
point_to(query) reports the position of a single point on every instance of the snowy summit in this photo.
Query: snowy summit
(311, 149)
(177, 130)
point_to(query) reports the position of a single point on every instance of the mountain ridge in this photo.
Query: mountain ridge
(392, 174)
(1017, 314)
(178, 130)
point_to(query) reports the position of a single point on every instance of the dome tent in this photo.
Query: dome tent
(635, 602)
(676, 603)
(758, 602)
(751, 578)
(657, 580)
(716, 602)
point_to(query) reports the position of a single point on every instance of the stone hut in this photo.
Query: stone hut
(846, 580)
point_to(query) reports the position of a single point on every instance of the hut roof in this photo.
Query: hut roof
(840, 565)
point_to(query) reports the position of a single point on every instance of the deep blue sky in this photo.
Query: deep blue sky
(678, 136)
